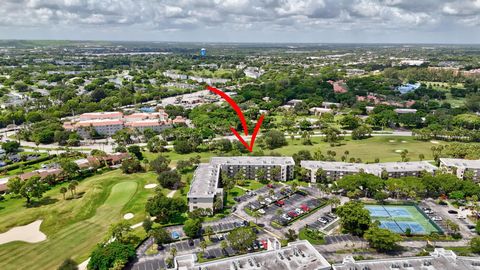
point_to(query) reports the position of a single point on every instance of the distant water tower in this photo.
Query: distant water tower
(203, 52)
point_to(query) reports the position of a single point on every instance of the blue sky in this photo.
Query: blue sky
(352, 21)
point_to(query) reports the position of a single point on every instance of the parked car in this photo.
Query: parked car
(287, 217)
(299, 211)
(270, 185)
(190, 242)
(305, 207)
(453, 212)
(261, 211)
(436, 218)
(280, 203)
(268, 200)
(292, 214)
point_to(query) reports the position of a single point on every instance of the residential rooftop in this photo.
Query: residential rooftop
(461, 163)
(205, 181)
(296, 255)
(248, 160)
(439, 259)
(373, 168)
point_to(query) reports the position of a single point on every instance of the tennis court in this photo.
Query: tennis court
(399, 218)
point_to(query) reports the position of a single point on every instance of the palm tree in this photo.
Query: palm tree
(63, 190)
(271, 192)
(173, 251)
(334, 201)
(223, 245)
(294, 186)
(203, 245)
(209, 231)
(73, 187)
(256, 215)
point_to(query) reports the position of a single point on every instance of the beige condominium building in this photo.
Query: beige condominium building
(462, 168)
(108, 123)
(337, 170)
(206, 184)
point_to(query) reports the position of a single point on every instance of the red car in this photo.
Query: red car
(270, 185)
(292, 214)
(280, 203)
(305, 207)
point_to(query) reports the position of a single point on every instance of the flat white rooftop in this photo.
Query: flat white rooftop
(374, 168)
(248, 160)
(297, 255)
(462, 163)
(440, 259)
(205, 181)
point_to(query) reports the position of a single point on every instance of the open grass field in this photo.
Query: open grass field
(73, 226)
(386, 148)
(398, 218)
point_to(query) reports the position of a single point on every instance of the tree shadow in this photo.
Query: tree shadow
(76, 196)
(43, 201)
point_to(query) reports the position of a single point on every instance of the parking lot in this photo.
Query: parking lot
(213, 251)
(466, 228)
(224, 224)
(322, 222)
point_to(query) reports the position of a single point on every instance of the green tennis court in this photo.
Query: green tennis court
(399, 218)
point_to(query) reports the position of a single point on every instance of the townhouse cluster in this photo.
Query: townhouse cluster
(108, 123)
(206, 186)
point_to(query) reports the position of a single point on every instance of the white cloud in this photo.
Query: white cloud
(224, 15)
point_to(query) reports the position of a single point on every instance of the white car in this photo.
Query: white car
(268, 200)
(299, 211)
(261, 211)
(437, 219)
(274, 197)
(285, 216)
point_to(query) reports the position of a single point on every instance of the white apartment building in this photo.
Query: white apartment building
(460, 167)
(205, 187)
(337, 170)
(206, 183)
(439, 259)
(296, 255)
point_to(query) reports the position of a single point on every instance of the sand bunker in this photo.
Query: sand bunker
(404, 141)
(398, 151)
(128, 216)
(392, 141)
(29, 233)
(149, 186)
(435, 142)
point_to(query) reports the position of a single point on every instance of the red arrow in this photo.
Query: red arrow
(242, 120)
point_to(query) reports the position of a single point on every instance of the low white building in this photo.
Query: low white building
(320, 110)
(206, 183)
(440, 259)
(294, 256)
(461, 167)
(337, 170)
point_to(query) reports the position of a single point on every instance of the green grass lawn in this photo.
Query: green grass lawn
(252, 185)
(382, 147)
(73, 226)
(234, 192)
(312, 236)
(386, 148)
